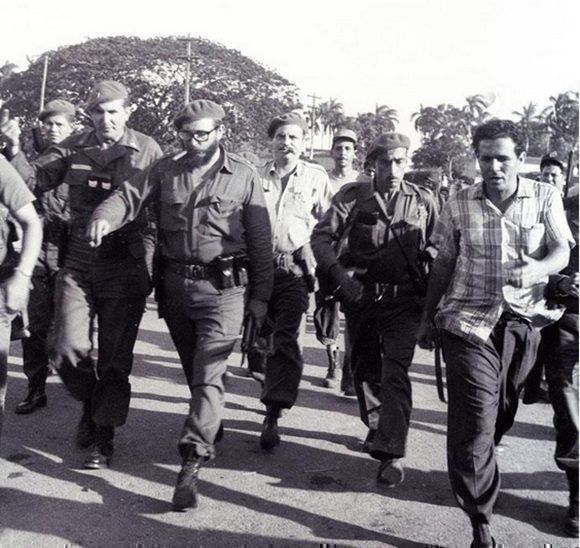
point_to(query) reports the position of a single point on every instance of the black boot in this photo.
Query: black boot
(35, 399)
(331, 379)
(185, 494)
(102, 452)
(270, 437)
(85, 436)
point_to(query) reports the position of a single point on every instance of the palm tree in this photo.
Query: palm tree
(562, 116)
(387, 117)
(476, 107)
(331, 115)
(527, 118)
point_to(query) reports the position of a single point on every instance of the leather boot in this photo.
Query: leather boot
(185, 494)
(102, 452)
(391, 472)
(35, 399)
(85, 436)
(270, 437)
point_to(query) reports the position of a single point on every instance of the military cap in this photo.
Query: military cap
(388, 141)
(551, 159)
(291, 118)
(58, 106)
(105, 91)
(198, 110)
(344, 134)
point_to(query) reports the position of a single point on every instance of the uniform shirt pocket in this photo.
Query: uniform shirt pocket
(222, 217)
(172, 212)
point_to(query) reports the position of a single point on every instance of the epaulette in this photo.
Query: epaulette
(239, 160)
(314, 166)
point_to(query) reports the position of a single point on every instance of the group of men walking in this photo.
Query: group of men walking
(230, 240)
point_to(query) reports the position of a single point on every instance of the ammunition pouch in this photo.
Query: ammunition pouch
(226, 270)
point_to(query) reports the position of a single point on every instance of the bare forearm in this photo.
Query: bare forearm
(556, 259)
(31, 242)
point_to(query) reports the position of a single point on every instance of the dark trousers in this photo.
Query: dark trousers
(40, 316)
(115, 294)
(286, 309)
(562, 376)
(204, 323)
(484, 382)
(383, 343)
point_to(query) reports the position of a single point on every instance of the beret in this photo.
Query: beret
(198, 110)
(105, 91)
(551, 159)
(291, 118)
(58, 106)
(388, 141)
(344, 133)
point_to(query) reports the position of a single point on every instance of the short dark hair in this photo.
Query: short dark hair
(496, 129)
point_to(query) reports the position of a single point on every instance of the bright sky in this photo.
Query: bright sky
(402, 53)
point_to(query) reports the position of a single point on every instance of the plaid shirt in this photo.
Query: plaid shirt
(485, 244)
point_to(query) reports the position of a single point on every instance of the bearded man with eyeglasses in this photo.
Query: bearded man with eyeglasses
(215, 248)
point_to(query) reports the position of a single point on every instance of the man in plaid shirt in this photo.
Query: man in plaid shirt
(498, 242)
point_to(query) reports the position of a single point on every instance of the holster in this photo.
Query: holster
(304, 259)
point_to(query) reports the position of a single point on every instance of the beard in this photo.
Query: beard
(199, 158)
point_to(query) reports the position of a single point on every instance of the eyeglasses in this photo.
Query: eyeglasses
(200, 136)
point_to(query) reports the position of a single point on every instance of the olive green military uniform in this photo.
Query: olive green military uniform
(204, 221)
(384, 239)
(111, 282)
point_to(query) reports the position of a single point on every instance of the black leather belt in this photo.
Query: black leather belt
(192, 271)
(390, 291)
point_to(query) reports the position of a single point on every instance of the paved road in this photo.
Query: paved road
(316, 488)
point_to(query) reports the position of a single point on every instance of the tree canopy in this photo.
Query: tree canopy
(155, 71)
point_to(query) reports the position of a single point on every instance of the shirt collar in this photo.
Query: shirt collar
(524, 190)
(225, 161)
(128, 139)
(298, 170)
(405, 188)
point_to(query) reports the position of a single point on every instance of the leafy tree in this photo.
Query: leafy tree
(561, 118)
(446, 135)
(370, 125)
(532, 127)
(154, 71)
(331, 115)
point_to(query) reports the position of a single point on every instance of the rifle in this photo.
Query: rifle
(249, 336)
(419, 280)
(416, 272)
(439, 369)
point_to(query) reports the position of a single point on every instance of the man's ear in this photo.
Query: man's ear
(522, 157)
